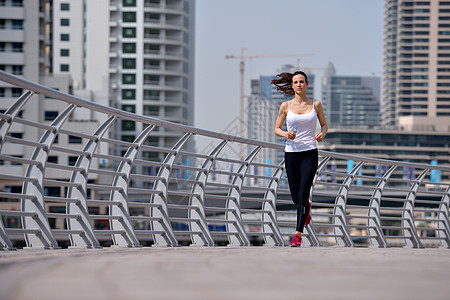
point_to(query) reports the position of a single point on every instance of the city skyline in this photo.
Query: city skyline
(331, 30)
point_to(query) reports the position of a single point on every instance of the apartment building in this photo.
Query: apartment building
(416, 65)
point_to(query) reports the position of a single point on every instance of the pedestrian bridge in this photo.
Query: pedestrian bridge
(68, 179)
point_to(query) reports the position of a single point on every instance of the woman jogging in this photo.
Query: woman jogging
(301, 155)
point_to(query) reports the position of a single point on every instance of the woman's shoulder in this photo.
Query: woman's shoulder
(318, 106)
(317, 103)
(284, 105)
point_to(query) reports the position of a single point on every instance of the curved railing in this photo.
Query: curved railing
(79, 180)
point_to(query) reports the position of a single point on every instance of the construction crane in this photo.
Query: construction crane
(307, 70)
(242, 59)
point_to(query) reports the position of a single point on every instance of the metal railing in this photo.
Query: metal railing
(79, 180)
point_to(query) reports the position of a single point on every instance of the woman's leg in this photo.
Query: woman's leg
(308, 168)
(292, 164)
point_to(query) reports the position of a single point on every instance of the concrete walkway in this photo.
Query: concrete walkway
(226, 273)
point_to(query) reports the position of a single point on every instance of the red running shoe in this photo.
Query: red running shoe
(308, 218)
(296, 241)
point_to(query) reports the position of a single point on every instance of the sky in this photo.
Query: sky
(348, 33)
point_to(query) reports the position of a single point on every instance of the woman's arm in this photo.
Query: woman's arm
(280, 121)
(323, 122)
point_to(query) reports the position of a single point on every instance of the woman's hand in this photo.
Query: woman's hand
(290, 135)
(319, 137)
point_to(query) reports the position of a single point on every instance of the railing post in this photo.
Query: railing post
(442, 220)
(128, 239)
(275, 239)
(45, 237)
(412, 238)
(199, 202)
(312, 239)
(340, 209)
(241, 238)
(374, 221)
(5, 242)
(162, 211)
(11, 113)
(88, 238)
(5, 125)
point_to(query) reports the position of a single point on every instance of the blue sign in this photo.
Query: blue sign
(435, 175)
(349, 166)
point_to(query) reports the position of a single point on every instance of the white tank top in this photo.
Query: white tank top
(306, 130)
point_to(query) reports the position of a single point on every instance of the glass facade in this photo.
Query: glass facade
(350, 100)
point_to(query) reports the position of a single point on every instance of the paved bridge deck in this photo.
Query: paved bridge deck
(226, 273)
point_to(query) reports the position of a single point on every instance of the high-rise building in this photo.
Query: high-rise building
(35, 44)
(350, 100)
(24, 40)
(152, 64)
(416, 65)
(80, 45)
(136, 55)
(24, 51)
(415, 110)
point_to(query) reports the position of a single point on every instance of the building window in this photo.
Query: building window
(152, 141)
(16, 92)
(74, 139)
(152, 3)
(129, 63)
(152, 18)
(50, 115)
(64, 22)
(151, 48)
(150, 110)
(128, 94)
(151, 79)
(64, 68)
(129, 108)
(17, 47)
(128, 78)
(151, 64)
(150, 33)
(129, 17)
(128, 138)
(129, 2)
(19, 135)
(17, 24)
(72, 160)
(129, 48)
(129, 32)
(65, 6)
(52, 159)
(128, 125)
(17, 70)
(151, 95)
(2, 47)
(64, 52)
(65, 37)
(17, 2)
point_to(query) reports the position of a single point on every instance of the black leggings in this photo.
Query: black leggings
(300, 169)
